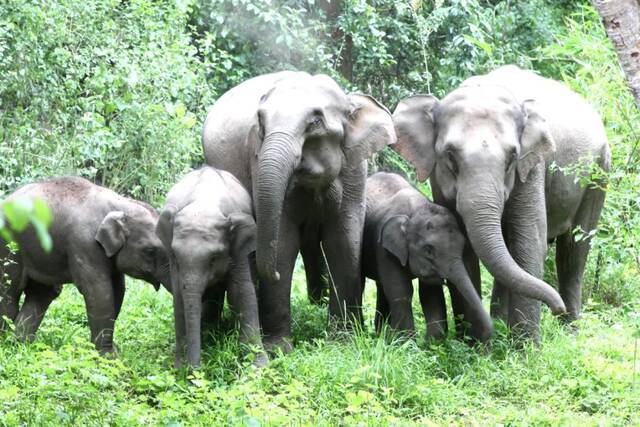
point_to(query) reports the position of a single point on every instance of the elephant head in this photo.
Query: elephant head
(203, 245)
(431, 243)
(307, 132)
(131, 241)
(476, 143)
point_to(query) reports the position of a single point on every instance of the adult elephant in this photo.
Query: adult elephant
(299, 145)
(487, 148)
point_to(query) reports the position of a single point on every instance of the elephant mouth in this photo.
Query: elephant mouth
(310, 179)
(430, 276)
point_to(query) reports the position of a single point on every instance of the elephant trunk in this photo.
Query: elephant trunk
(481, 324)
(192, 299)
(481, 212)
(279, 156)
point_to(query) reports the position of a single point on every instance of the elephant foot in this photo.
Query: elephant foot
(571, 326)
(261, 360)
(320, 299)
(24, 336)
(109, 352)
(177, 364)
(399, 336)
(568, 318)
(435, 336)
(274, 345)
(524, 334)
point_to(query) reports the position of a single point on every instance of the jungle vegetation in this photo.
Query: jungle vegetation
(116, 91)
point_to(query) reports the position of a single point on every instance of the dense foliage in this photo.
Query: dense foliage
(116, 91)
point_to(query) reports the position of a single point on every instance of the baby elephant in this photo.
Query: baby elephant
(208, 228)
(406, 237)
(98, 237)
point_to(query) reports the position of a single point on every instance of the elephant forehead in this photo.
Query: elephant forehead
(307, 94)
(197, 243)
(471, 137)
(199, 224)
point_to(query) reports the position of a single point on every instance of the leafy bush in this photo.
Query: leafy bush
(586, 61)
(116, 91)
(107, 90)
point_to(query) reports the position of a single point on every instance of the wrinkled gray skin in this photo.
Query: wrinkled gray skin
(406, 237)
(208, 228)
(98, 237)
(299, 145)
(487, 147)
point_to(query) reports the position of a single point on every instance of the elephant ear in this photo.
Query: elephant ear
(414, 121)
(255, 135)
(112, 232)
(536, 142)
(243, 234)
(369, 128)
(164, 228)
(393, 237)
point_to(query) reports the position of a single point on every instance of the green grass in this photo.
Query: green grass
(572, 378)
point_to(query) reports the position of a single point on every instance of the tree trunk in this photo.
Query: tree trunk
(621, 19)
(332, 9)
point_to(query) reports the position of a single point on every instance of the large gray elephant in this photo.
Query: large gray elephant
(488, 148)
(406, 237)
(299, 145)
(98, 237)
(208, 229)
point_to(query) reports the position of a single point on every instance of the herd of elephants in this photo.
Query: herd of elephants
(286, 173)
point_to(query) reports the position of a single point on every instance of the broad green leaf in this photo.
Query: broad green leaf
(42, 212)
(17, 213)
(43, 235)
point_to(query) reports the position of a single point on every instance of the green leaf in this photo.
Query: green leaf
(41, 212)
(43, 235)
(17, 213)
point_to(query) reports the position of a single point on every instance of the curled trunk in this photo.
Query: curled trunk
(481, 324)
(279, 156)
(482, 218)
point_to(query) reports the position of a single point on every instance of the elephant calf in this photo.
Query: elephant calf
(208, 228)
(98, 237)
(406, 237)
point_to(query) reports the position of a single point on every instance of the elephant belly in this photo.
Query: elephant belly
(49, 277)
(563, 200)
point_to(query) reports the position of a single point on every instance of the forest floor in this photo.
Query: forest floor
(580, 377)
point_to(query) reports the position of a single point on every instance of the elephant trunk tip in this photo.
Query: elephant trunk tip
(557, 306)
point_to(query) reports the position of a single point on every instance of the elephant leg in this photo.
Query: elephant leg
(38, 297)
(434, 308)
(398, 291)
(180, 325)
(382, 308)
(526, 239)
(315, 267)
(212, 305)
(11, 284)
(341, 242)
(118, 292)
(571, 256)
(274, 300)
(462, 313)
(98, 291)
(243, 302)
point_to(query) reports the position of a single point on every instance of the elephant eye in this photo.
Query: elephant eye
(513, 156)
(316, 123)
(451, 158)
(428, 249)
(149, 252)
